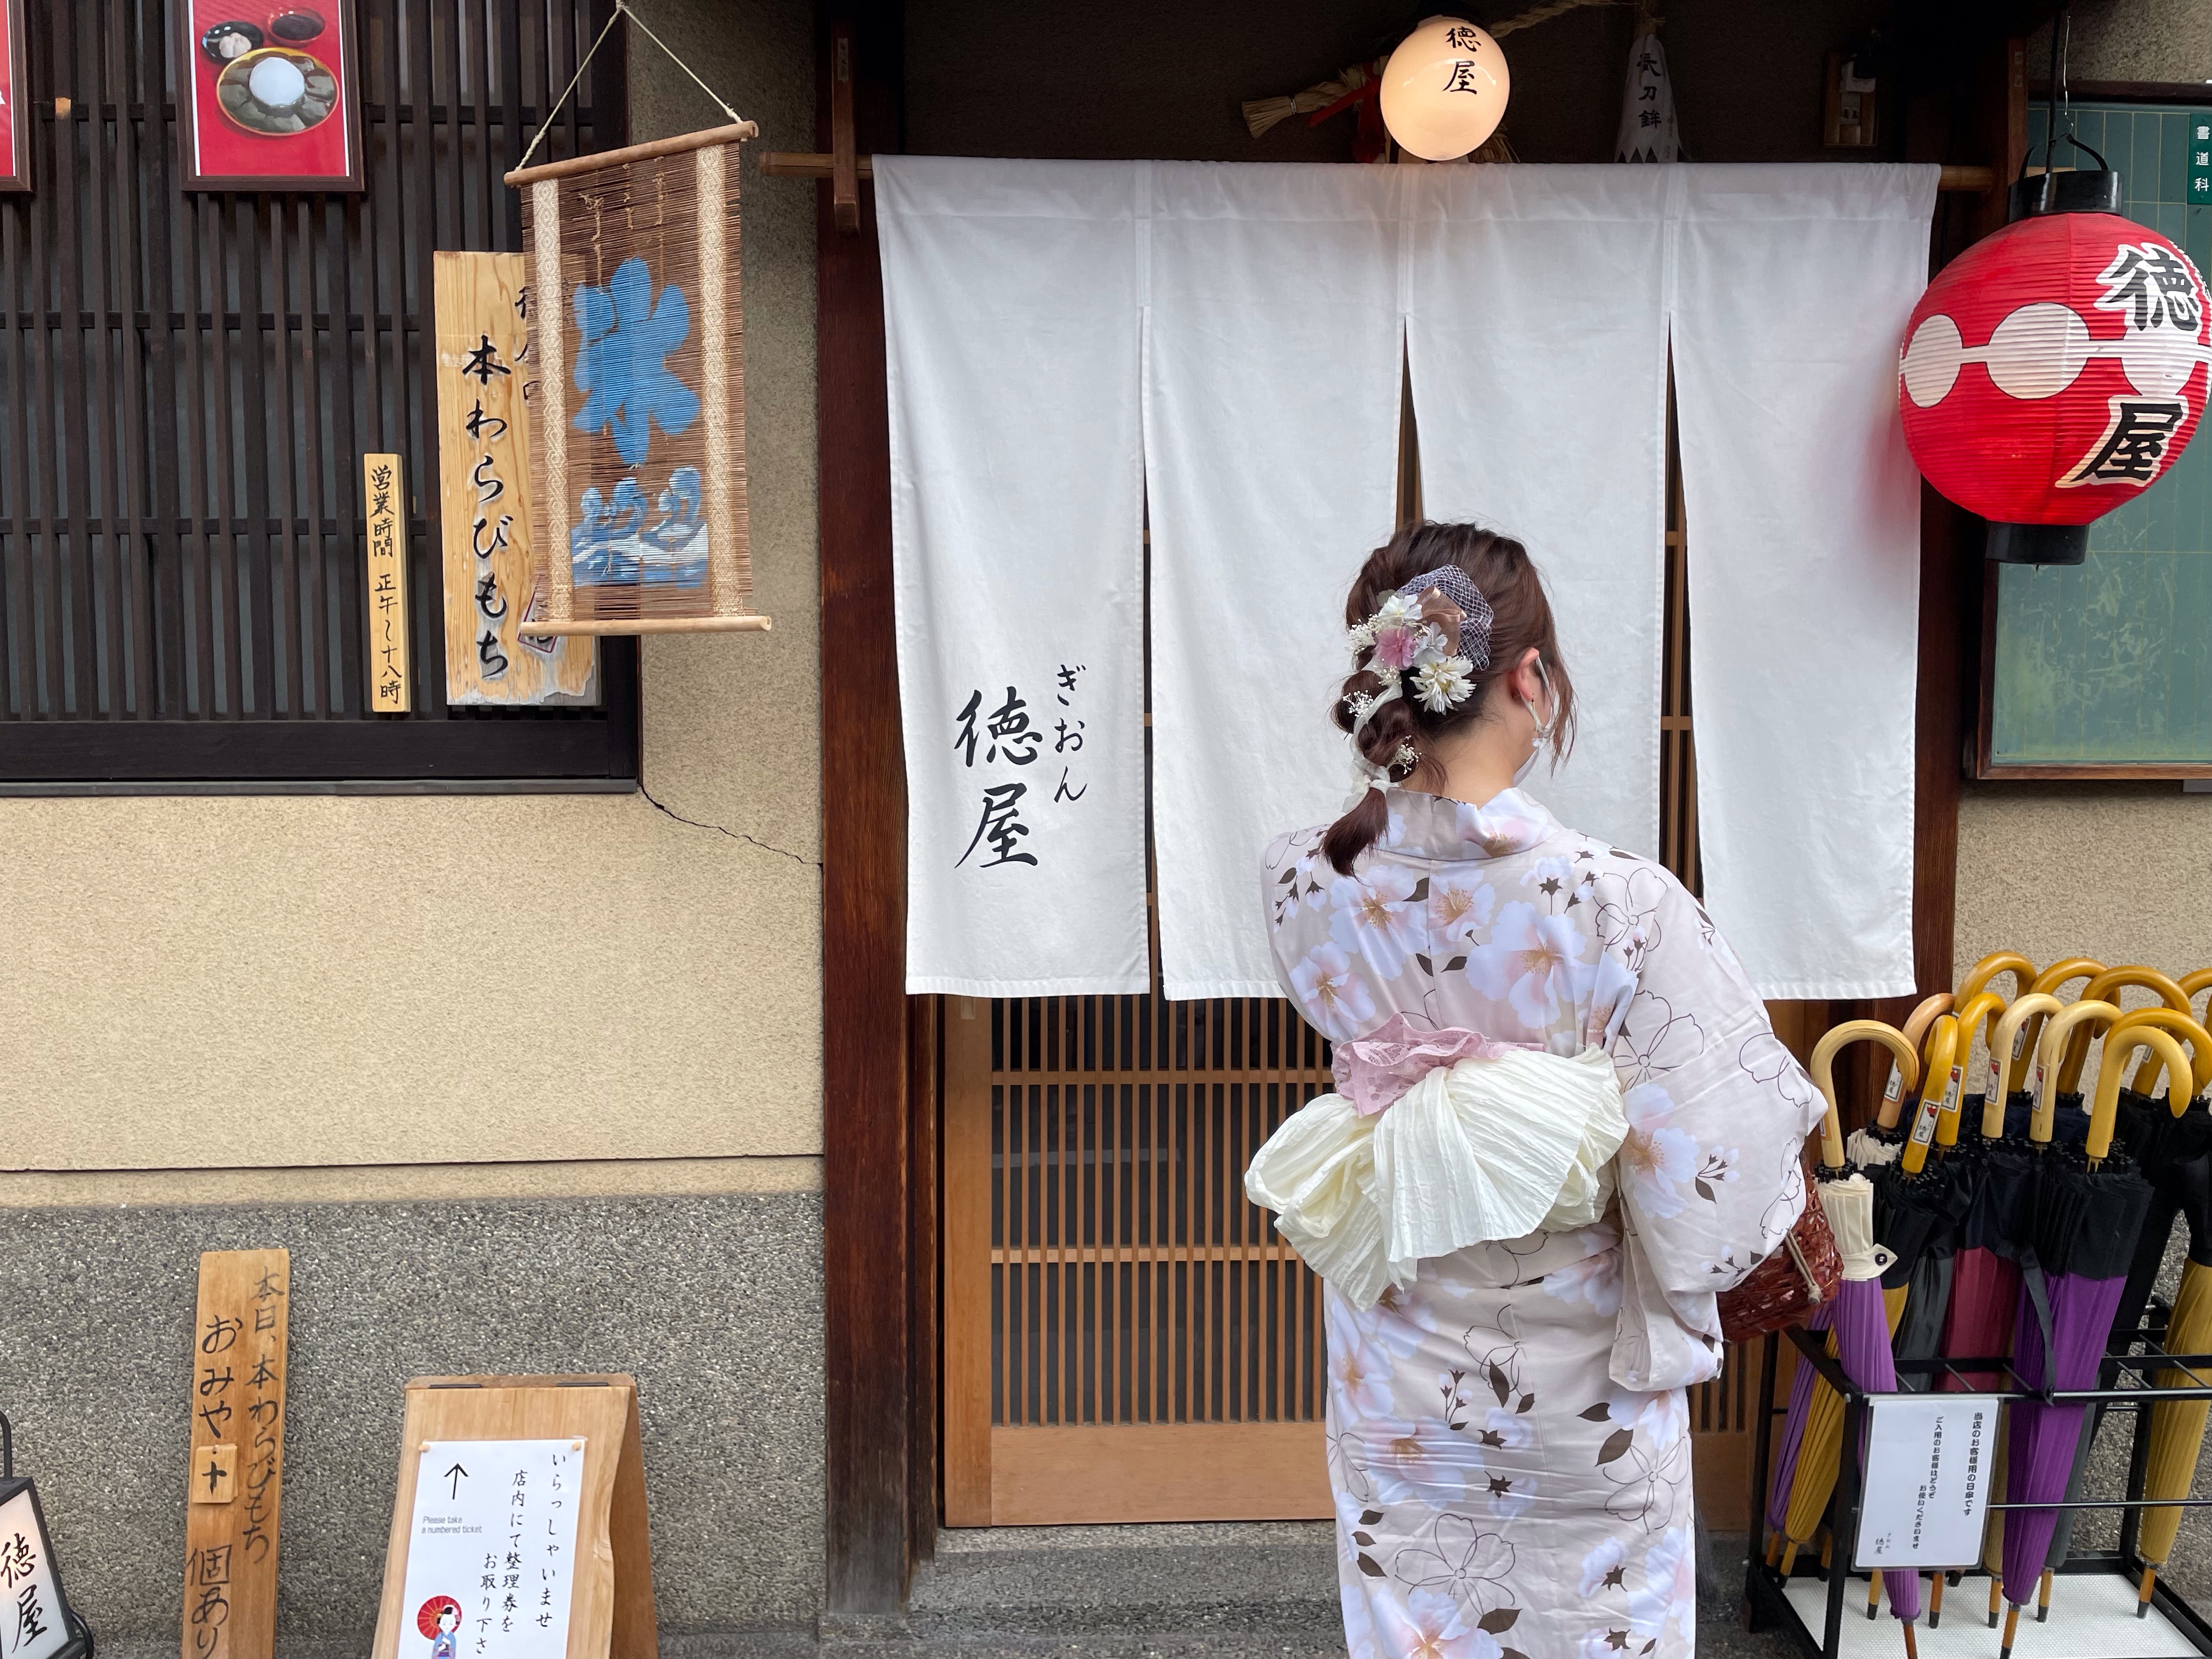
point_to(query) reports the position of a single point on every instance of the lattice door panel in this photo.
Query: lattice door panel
(1126, 1337)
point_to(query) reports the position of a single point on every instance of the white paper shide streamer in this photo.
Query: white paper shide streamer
(1648, 129)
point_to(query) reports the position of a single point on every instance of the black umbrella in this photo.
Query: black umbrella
(2170, 1151)
(2089, 1208)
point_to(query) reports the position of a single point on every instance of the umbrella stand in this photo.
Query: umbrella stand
(1767, 1602)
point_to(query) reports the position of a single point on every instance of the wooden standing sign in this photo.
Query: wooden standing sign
(519, 1530)
(237, 1469)
(637, 436)
(485, 384)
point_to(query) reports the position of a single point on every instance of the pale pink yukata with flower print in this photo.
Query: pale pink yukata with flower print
(1508, 1435)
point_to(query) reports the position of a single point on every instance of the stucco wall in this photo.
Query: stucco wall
(197, 982)
(2122, 872)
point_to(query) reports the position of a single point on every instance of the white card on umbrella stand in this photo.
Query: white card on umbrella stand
(1927, 1466)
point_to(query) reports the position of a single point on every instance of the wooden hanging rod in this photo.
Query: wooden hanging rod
(803, 164)
(644, 152)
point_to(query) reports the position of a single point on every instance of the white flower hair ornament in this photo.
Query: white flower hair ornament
(1435, 632)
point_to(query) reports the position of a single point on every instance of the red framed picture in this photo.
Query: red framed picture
(269, 95)
(15, 95)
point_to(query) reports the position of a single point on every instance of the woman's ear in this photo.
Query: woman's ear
(1526, 685)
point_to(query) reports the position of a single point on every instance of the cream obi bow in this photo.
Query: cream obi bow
(1439, 1139)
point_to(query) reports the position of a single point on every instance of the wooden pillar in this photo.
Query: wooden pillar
(869, 1181)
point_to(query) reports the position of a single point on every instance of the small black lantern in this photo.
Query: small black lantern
(35, 1620)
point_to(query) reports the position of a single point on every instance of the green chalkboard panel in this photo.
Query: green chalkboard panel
(2106, 668)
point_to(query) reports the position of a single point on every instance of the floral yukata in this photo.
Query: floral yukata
(1508, 1438)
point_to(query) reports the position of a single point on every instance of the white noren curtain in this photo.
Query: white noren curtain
(1271, 443)
(1012, 327)
(1802, 509)
(1537, 344)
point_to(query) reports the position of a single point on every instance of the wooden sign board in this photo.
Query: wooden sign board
(520, 1528)
(384, 488)
(637, 439)
(235, 1478)
(485, 385)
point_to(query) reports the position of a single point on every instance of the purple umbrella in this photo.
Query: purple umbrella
(1793, 1436)
(2088, 1208)
(1863, 1333)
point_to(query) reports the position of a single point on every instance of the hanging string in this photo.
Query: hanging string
(622, 9)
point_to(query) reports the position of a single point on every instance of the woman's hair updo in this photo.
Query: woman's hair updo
(1520, 617)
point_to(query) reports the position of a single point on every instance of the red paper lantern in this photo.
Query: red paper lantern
(2056, 369)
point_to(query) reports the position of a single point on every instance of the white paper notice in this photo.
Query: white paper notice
(30, 1605)
(491, 1550)
(1927, 1480)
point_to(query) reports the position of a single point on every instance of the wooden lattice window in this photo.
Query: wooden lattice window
(188, 382)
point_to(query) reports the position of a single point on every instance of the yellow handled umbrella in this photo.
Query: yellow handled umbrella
(2106, 988)
(1920, 1201)
(1881, 1140)
(2174, 1145)
(2027, 1038)
(2147, 1129)
(1805, 1472)
(2089, 1208)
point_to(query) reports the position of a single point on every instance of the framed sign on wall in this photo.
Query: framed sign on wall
(268, 94)
(14, 129)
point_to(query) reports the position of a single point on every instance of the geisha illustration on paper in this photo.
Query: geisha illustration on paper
(440, 1619)
(637, 535)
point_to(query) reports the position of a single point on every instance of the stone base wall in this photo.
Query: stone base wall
(714, 1304)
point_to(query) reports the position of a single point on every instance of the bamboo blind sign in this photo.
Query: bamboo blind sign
(384, 488)
(236, 1472)
(637, 448)
(482, 303)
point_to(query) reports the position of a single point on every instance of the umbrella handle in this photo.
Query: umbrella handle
(2010, 1046)
(2055, 1038)
(1914, 1031)
(1975, 1009)
(2182, 1026)
(2193, 983)
(1903, 1053)
(1939, 1090)
(2106, 1110)
(2102, 989)
(1998, 962)
(2049, 981)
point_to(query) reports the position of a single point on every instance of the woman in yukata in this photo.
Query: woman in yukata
(1563, 1125)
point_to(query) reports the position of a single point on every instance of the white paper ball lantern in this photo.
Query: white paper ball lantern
(1445, 89)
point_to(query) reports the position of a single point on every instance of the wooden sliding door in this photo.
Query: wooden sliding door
(1125, 1339)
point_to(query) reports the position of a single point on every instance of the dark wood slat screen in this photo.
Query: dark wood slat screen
(1133, 1281)
(188, 382)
